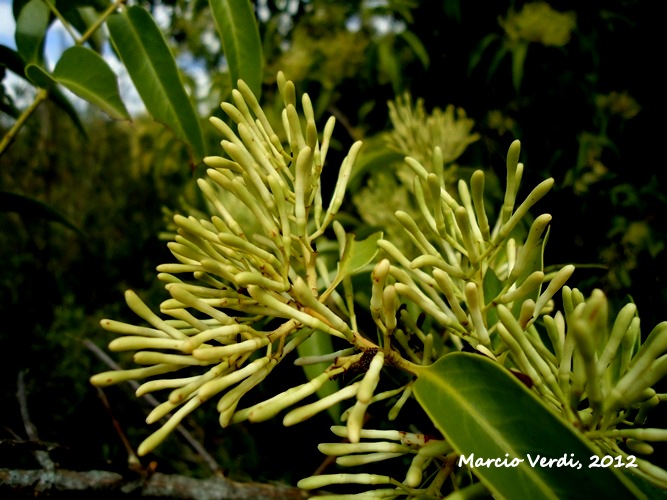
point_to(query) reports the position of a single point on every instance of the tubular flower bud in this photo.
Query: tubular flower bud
(315, 482)
(364, 394)
(253, 279)
(530, 284)
(271, 407)
(305, 412)
(390, 303)
(555, 284)
(251, 261)
(472, 297)
(477, 186)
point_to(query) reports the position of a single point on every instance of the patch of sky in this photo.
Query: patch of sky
(58, 40)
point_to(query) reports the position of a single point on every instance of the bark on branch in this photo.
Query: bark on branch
(30, 483)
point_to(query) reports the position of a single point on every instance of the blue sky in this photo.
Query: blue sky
(57, 41)
(6, 24)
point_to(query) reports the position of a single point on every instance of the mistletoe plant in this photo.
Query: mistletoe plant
(255, 280)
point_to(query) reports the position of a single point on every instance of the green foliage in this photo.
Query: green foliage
(485, 412)
(10, 202)
(238, 31)
(98, 85)
(144, 52)
(404, 270)
(31, 28)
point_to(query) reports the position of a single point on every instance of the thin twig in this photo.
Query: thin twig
(31, 431)
(133, 459)
(100, 20)
(42, 95)
(196, 445)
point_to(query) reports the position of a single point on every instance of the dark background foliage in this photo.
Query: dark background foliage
(56, 283)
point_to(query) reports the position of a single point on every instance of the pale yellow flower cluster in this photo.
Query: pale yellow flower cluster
(538, 22)
(416, 133)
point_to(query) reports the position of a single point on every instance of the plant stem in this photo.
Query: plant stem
(42, 95)
(62, 20)
(103, 17)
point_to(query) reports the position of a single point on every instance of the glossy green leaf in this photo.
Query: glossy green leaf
(17, 6)
(150, 63)
(12, 202)
(492, 286)
(31, 27)
(486, 413)
(239, 33)
(356, 255)
(359, 253)
(85, 73)
(39, 77)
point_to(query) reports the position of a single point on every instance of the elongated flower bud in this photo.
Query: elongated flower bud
(305, 412)
(473, 299)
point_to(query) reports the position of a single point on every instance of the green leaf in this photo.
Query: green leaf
(356, 255)
(492, 286)
(86, 74)
(477, 53)
(452, 9)
(359, 253)
(39, 76)
(15, 63)
(31, 27)
(417, 47)
(519, 52)
(43, 79)
(317, 344)
(152, 68)
(239, 33)
(17, 6)
(388, 63)
(12, 60)
(12, 202)
(483, 411)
